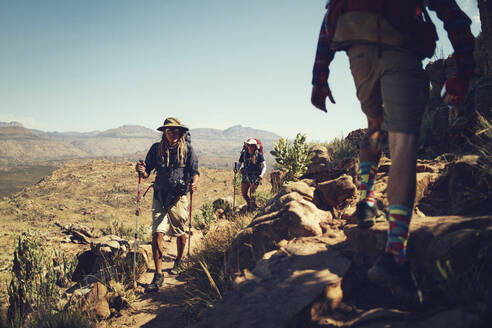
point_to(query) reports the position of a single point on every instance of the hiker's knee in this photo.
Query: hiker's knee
(245, 189)
(373, 139)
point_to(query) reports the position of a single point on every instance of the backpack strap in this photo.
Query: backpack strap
(380, 37)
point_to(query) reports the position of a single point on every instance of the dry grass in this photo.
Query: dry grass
(206, 280)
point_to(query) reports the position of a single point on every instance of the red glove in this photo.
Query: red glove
(456, 88)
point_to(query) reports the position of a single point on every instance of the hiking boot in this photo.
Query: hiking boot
(177, 267)
(157, 282)
(398, 279)
(367, 215)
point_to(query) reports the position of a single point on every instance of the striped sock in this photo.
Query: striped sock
(399, 221)
(367, 177)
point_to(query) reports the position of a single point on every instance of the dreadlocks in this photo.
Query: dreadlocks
(164, 149)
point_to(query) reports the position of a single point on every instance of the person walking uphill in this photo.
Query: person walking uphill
(253, 171)
(176, 166)
(385, 42)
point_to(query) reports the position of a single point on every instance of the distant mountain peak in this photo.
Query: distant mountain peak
(12, 124)
(129, 131)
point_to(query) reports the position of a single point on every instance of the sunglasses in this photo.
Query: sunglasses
(172, 130)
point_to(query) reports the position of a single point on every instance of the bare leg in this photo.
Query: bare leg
(180, 246)
(157, 251)
(244, 191)
(402, 181)
(370, 146)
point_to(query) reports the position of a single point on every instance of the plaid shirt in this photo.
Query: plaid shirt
(456, 23)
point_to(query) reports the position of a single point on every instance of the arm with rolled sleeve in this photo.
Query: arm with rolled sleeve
(192, 168)
(457, 25)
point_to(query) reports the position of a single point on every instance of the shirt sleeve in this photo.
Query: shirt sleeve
(192, 163)
(324, 56)
(263, 169)
(150, 159)
(457, 25)
(241, 160)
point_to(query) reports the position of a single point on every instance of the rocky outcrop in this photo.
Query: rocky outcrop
(320, 161)
(463, 188)
(485, 8)
(337, 195)
(110, 257)
(289, 215)
(450, 256)
(281, 285)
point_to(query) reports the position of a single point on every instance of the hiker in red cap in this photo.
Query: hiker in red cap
(253, 171)
(176, 166)
(385, 42)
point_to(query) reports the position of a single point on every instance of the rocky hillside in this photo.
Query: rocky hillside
(21, 145)
(302, 261)
(215, 148)
(94, 192)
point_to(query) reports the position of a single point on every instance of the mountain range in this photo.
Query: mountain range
(215, 148)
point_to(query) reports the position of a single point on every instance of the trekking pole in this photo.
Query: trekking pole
(189, 224)
(137, 213)
(234, 193)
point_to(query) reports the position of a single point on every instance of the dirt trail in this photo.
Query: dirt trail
(158, 309)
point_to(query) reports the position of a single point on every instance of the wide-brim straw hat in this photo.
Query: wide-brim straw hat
(172, 122)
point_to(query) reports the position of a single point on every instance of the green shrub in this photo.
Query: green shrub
(293, 157)
(63, 319)
(262, 197)
(128, 232)
(67, 265)
(33, 283)
(205, 217)
(340, 148)
(221, 204)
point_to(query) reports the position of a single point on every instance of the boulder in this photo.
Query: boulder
(303, 271)
(101, 309)
(381, 317)
(277, 180)
(463, 188)
(355, 137)
(288, 215)
(302, 187)
(98, 291)
(320, 161)
(451, 256)
(337, 194)
(110, 245)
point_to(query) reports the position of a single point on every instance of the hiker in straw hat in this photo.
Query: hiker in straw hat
(176, 166)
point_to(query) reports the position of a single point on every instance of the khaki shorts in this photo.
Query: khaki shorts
(172, 222)
(394, 85)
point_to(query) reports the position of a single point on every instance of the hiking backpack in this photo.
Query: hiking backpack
(259, 145)
(410, 17)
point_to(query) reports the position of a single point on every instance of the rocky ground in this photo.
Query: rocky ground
(301, 261)
(101, 195)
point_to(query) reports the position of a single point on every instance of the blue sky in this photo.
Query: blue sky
(73, 65)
